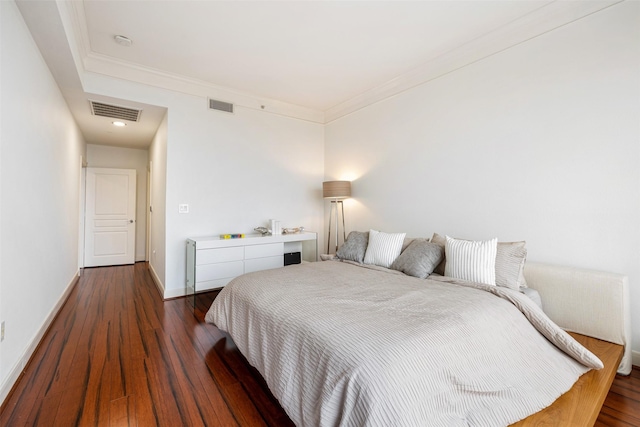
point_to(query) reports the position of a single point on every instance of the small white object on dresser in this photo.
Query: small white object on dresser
(212, 262)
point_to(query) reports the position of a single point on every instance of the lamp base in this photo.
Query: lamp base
(335, 211)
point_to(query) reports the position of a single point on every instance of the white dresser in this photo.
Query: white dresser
(212, 262)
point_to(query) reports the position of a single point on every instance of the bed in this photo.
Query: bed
(341, 343)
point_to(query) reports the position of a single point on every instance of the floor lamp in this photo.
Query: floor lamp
(336, 191)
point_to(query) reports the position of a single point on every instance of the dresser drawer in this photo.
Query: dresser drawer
(213, 284)
(262, 251)
(266, 263)
(212, 262)
(219, 271)
(210, 256)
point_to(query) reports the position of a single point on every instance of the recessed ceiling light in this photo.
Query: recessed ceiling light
(119, 124)
(123, 41)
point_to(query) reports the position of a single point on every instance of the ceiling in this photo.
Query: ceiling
(321, 56)
(315, 54)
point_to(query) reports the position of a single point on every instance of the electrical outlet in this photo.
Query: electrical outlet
(183, 208)
(2, 331)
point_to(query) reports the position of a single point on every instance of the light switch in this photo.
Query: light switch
(183, 208)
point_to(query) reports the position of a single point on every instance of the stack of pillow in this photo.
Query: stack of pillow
(490, 262)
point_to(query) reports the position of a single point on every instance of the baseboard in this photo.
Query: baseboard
(18, 368)
(175, 293)
(635, 358)
(157, 281)
(166, 294)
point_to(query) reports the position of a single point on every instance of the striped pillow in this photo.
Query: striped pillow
(383, 248)
(474, 261)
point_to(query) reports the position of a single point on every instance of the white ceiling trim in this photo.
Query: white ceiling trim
(101, 64)
(73, 27)
(542, 20)
(534, 24)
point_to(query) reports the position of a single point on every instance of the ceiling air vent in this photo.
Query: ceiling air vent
(227, 107)
(115, 111)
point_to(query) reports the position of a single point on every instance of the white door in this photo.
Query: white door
(110, 236)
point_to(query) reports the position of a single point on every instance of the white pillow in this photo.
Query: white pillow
(474, 261)
(383, 248)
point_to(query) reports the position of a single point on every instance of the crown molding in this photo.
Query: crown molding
(536, 23)
(73, 15)
(548, 17)
(102, 64)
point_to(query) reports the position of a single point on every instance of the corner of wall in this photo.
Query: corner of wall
(157, 281)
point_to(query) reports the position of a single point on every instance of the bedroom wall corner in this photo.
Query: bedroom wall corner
(157, 204)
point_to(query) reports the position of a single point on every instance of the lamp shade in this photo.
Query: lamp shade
(336, 189)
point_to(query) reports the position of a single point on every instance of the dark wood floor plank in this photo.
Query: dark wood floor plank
(231, 389)
(189, 357)
(117, 355)
(134, 333)
(621, 408)
(624, 405)
(34, 385)
(611, 418)
(165, 392)
(122, 412)
(197, 406)
(73, 369)
(96, 408)
(628, 386)
(70, 408)
(47, 410)
(74, 324)
(145, 409)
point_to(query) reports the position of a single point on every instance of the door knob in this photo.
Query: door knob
(130, 221)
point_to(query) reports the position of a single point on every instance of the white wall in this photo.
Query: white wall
(40, 176)
(234, 170)
(540, 142)
(102, 156)
(4, 381)
(158, 201)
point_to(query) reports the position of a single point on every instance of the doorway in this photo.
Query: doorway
(110, 217)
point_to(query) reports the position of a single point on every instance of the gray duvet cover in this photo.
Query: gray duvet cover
(344, 345)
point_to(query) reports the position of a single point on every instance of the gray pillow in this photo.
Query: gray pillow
(510, 260)
(440, 241)
(419, 259)
(355, 247)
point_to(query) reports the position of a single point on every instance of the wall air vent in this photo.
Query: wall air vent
(115, 111)
(227, 107)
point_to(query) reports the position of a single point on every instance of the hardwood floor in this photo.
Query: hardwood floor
(117, 355)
